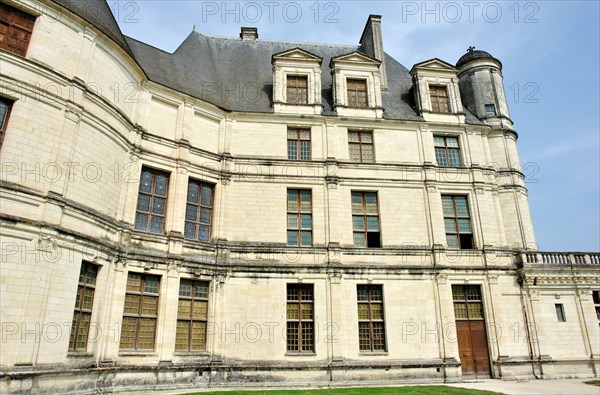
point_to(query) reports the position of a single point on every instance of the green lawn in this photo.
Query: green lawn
(408, 390)
(593, 382)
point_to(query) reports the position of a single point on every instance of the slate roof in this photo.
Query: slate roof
(236, 75)
(473, 55)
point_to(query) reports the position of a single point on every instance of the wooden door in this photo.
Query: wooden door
(465, 349)
(481, 354)
(470, 330)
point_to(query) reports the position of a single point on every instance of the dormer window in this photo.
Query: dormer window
(437, 94)
(297, 89)
(439, 98)
(297, 82)
(490, 110)
(357, 85)
(357, 93)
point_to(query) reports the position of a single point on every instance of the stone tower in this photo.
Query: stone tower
(482, 89)
(482, 92)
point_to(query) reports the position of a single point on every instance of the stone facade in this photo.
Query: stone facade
(86, 117)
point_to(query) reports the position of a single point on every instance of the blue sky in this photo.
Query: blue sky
(549, 49)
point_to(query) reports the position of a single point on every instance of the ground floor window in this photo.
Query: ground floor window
(300, 319)
(83, 307)
(192, 315)
(138, 330)
(371, 328)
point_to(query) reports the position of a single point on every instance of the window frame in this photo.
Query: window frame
(370, 288)
(560, 312)
(140, 315)
(365, 215)
(353, 92)
(303, 324)
(361, 146)
(467, 301)
(152, 196)
(488, 113)
(299, 230)
(198, 206)
(446, 150)
(4, 119)
(79, 310)
(191, 320)
(298, 141)
(596, 301)
(437, 99)
(11, 26)
(295, 91)
(456, 219)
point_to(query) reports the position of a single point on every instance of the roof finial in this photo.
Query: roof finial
(471, 49)
(194, 28)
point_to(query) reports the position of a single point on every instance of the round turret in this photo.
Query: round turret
(475, 54)
(482, 88)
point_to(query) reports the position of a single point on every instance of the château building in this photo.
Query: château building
(246, 212)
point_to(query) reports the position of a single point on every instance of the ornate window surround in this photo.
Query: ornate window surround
(296, 62)
(436, 72)
(356, 66)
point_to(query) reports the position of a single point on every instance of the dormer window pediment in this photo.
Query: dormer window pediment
(357, 85)
(435, 64)
(296, 54)
(436, 91)
(296, 82)
(355, 58)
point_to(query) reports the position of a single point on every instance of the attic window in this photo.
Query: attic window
(490, 110)
(357, 93)
(439, 98)
(297, 89)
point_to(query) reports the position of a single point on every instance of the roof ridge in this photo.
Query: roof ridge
(279, 41)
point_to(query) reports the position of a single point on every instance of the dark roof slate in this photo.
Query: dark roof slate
(237, 75)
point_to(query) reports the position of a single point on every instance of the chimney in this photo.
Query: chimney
(249, 34)
(371, 43)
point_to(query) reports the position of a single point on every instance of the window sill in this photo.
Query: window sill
(79, 354)
(368, 107)
(138, 354)
(373, 353)
(298, 104)
(356, 162)
(148, 232)
(289, 108)
(191, 354)
(141, 236)
(300, 354)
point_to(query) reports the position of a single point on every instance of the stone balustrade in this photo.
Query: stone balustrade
(561, 258)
